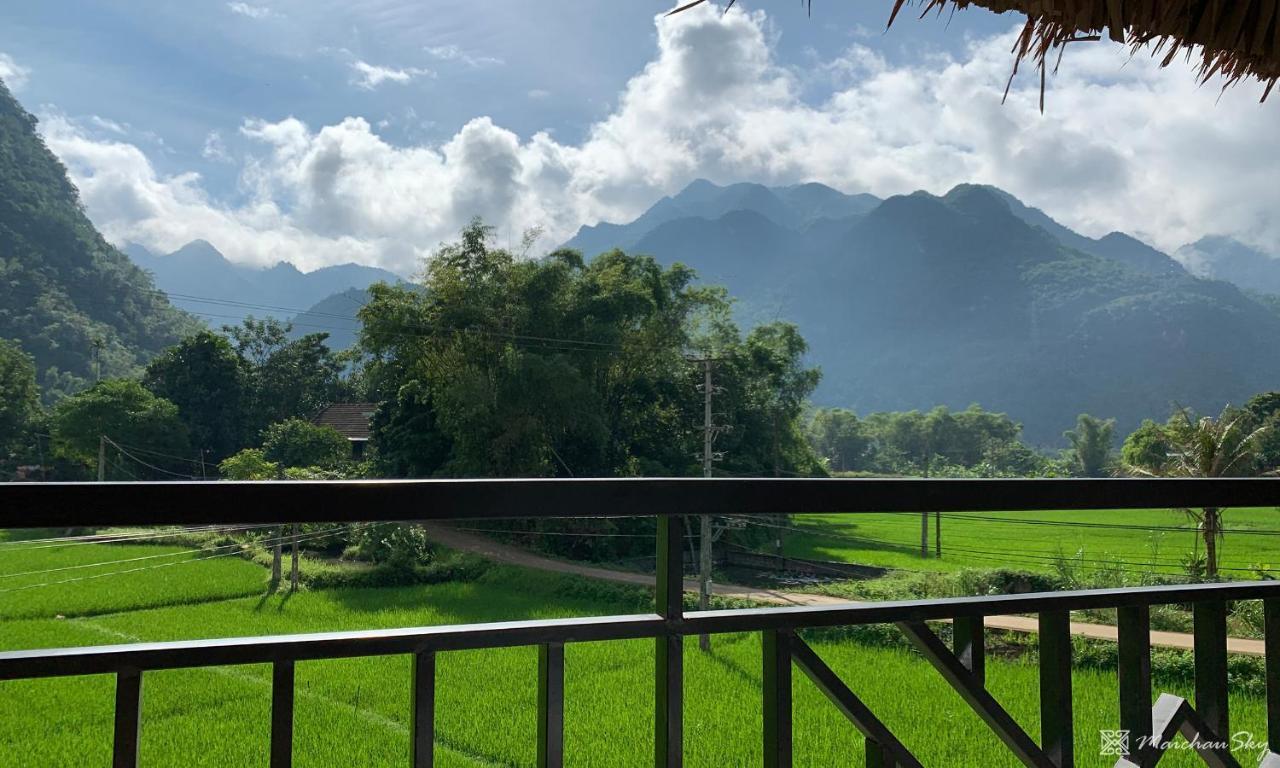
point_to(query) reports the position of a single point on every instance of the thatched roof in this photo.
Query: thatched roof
(1232, 38)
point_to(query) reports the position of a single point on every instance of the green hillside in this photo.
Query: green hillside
(66, 295)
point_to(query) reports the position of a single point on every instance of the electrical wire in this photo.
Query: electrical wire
(281, 539)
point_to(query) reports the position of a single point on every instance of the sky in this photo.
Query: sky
(370, 131)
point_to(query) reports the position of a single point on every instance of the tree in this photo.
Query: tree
(1091, 444)
(1203, 447)
(287, 378)
(19, 396)
(299, 443)
(248, 464)
(206, 379)
(142, 428)
(840, 439)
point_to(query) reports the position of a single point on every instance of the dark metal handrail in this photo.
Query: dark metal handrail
(85, 504)
(962, 666)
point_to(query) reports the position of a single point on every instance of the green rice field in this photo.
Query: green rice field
(1149, 541)
(355, 713)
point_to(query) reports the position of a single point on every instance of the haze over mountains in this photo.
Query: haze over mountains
(907, 302)
(200, 280)
(920, 300)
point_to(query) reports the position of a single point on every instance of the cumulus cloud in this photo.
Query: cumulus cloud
(456, 54)
(12, 73)
(251, 11)
(1124, 145)
(370, 76)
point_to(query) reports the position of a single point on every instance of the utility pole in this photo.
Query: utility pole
(705, 535)
(97, 359)
(102, 457)
(293, 571)
(203, 475)
(276, 553)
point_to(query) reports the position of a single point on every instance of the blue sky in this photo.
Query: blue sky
(272, 127)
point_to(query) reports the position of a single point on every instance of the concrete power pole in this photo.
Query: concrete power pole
(293, 570)
(705, 534)
(102, 457)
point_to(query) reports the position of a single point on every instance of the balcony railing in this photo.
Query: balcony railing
(961, 665)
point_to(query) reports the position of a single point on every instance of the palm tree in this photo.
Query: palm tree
(1206, 447)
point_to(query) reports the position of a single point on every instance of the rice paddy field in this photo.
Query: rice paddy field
(355, 713)
(1136, 542)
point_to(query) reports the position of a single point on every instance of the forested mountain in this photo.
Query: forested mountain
(202, 281)
(974, 297)
(1225, 258)
(69, 298)
(334, 315)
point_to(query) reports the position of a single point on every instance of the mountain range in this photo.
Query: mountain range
(72, 301)
(919, 300)
(200, 280)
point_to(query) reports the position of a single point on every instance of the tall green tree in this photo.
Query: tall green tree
(838, 437)
(1203, 447)
(148, 438)
(207, 380)
(1091, 443)
(19, 396)
(286, 377)
(299, 443)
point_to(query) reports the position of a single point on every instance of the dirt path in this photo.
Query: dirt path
(503, 553)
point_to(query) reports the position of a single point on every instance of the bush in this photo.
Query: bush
(299, 443)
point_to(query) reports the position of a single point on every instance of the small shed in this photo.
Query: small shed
(351, 420)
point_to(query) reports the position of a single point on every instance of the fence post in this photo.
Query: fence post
(968, 640)
(422, 725)
(1271, 630)
(776, 647)
(128, 719)
(1209, 622)
(1056, 722)
(1133, 623)
(550, 705)
(669, 650)
(282, 714)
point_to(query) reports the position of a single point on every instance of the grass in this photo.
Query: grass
(39, 579)
(355, 712)
(1022, 540)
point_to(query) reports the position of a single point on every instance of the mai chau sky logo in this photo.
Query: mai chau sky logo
(1118, 744)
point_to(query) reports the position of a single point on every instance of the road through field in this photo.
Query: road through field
(503, 553)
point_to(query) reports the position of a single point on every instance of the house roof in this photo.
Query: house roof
(351, 420)
(1232, 38)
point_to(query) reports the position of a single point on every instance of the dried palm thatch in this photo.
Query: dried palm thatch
(1236, 39)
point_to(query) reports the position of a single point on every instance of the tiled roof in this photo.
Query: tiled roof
(350, 419)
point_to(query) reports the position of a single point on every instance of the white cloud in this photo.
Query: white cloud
(537, 94)
(107, 124)
(251, 11)
(1124, 145)
(370, 76)
(454, 53)
(12, 73)
(214, 149)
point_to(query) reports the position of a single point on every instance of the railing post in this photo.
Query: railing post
(1209, 622)
(550, 705)
(422, 719)
(968, 640)
(776, 646)
(1133, 625)
(282, 714)
(1056, 722)
(669, 650)
(128, 719)
(1271, 633)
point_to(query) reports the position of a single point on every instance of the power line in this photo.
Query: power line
(108, 538)
(308, 537)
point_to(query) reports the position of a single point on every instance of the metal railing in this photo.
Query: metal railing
(962, 665)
